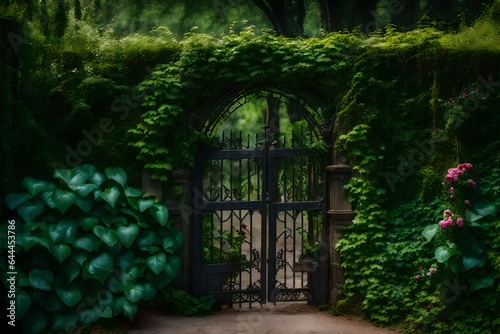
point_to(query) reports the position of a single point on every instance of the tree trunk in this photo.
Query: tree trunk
(286, 16)
(337, 15)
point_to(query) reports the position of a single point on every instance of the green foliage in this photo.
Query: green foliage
(462, 242)
(183, 303)
(175, 90)
(378, 264)
(222, 245)
(88, 247)
(474, 37)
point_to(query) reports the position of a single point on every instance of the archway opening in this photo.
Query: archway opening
(259, 231)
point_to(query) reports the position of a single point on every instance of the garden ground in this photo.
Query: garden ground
(283, 318)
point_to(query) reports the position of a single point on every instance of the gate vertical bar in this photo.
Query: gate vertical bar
(271, 258)
(264, 220)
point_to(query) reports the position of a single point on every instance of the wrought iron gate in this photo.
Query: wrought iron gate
(258, 230)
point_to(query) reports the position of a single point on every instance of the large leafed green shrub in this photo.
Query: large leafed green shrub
(87, 247)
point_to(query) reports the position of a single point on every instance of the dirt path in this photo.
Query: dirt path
(285, 318)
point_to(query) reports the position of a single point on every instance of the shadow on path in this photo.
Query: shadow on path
(284, 318)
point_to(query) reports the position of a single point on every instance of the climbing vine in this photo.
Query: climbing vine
(179, 95)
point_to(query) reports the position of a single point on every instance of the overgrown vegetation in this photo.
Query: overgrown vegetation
(86, 247)
(406, 107)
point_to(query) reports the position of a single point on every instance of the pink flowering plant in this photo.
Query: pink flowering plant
(460, 231)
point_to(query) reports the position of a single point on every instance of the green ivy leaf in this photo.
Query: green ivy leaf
(101, 266)
(26, 240)
(88, 223)
(157, 263)
(33, 186)
(160, 213)
(41, 279)
(31, 209)
(173, 266)
(144, 204)
(80, 256)
(13, 200)
(84, 190)
(430, 231)
(485, 208)
(117, 174)
(130, 309)
(60, 252)
(63, 174)
(443, 253)
(69, 297)
(470, 261)
(56, 233)
(62, 199)
(23, 303)
(115, 285)
(146, 238)
(88, 242)
(47, 197)
(88, 316)
(64, 322)
(480, 283)
(76, 181)
(85, 170)
(133, 192)
(97, 179)
(69, 227)
(84, 203)
(159, 281)
(108, 236)
(110, 195)
(105, 298)
(69, 270)
(127, 234)
(171, 239)
(124, 259)
(107, 313)
(134, 293)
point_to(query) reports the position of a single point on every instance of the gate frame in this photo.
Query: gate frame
(269, 208)
(338, 210)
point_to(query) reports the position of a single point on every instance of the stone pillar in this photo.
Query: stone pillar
(181, 218)
(150, 186)
(177, 201)
(340, 215)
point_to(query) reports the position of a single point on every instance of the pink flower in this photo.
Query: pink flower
(443, 224)
(432, 270)
(460, 222)
(449, 177)
(452, 190)
(466, 166)
(448, 213)
(449, 222)
(417, 277)
(467, 202)
(452, 196)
